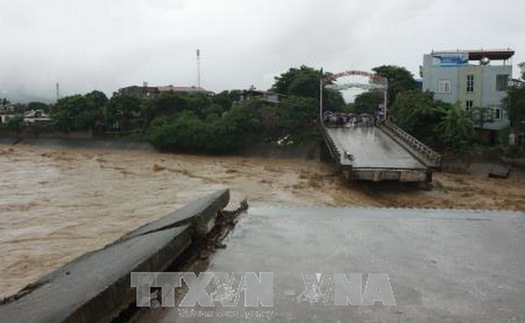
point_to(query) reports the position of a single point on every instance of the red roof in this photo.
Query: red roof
(490, 54)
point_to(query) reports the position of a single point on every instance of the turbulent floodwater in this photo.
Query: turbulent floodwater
(56, 204)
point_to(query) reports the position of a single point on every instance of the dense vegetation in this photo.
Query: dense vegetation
(304, 82)
(194, 122)
(515, 106)
(439, 124)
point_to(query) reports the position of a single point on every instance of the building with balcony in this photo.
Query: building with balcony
(474, 78)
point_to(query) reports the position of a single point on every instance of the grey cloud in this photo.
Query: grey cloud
(97, 44)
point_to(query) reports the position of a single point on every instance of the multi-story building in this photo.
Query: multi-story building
(474, 78)
(146, 91)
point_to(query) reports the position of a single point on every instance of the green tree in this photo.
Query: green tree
(333, 100)
(225, 99)
(304, 82)
(98, 99)
(287, 82)
(15, 123)
(217, 134)
(77, 112)
(176, 133)
(367, 102)
(126, 111)
(238, 127)
(515, 105)
(439, 124)
(479, 116)
(399, 80)
(169, 103)
(455, 126)
(296, 119)
(198, 103)
(417, 113)
(514, 102)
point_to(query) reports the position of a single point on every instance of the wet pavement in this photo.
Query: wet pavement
(372, 148)
(441, 265)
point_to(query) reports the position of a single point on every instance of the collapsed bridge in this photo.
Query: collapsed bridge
(383, 152)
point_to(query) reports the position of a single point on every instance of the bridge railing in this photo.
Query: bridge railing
(427, 152)
(334, 152)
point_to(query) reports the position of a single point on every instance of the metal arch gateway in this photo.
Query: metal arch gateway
(371, 76)
(375, 81)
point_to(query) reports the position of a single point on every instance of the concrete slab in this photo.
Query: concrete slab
(200, 213)
(443, 265)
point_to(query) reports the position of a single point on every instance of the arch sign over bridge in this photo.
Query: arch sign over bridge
(375, 82)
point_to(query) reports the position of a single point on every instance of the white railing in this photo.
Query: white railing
(420, 147)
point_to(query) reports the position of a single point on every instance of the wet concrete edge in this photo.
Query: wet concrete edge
(203, 212)
(96, 286)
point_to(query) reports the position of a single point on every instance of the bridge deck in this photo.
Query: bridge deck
(436, 261)
(372, 148)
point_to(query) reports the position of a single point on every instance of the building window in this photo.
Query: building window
(444, 87)
(502, 81)
(470, 83)
(469, 104)
(496, 114)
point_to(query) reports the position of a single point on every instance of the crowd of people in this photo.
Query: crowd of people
(343, 119)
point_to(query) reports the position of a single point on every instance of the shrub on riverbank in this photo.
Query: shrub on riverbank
(250, 122)
(214, 134)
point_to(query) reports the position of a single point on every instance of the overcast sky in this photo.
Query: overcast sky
(108, 44)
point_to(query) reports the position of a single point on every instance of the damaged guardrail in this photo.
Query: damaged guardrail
(96, 286)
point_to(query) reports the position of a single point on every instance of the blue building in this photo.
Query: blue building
(474, 78)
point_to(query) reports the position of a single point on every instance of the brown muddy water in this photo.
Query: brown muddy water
(56, 204)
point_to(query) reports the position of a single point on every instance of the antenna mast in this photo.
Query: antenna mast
(198, 67)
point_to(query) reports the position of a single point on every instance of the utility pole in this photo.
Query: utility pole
(198, 67)
(58, 92)
(386, 99)
(321, 121)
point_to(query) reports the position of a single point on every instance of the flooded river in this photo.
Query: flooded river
(57, 203)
